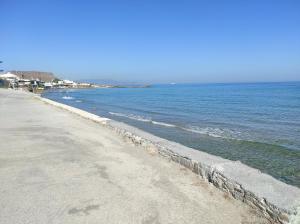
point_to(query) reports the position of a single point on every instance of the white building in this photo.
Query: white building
(69, 83)
(23, 82)
(9, 76)
(48, 85)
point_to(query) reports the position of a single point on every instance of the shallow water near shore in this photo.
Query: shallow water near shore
(256, 123)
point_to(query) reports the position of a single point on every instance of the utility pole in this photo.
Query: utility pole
(1, 70)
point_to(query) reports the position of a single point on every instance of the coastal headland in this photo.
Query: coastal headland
(59, 164)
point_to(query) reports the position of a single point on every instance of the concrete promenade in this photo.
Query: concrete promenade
(56, 167)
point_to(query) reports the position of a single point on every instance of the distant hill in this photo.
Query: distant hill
(43, 76)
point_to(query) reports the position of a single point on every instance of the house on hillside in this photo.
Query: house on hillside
(9, 80)
(9, 76)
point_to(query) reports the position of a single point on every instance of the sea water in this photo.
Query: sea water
(255, 123)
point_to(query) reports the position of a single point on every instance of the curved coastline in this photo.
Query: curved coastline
(276, 200)
(206, 125)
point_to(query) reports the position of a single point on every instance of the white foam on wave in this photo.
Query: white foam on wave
(67, 98)
(131, 116)
(143, 119)
(214, 132)
(205, 131)
(163, 124)
(209, 131)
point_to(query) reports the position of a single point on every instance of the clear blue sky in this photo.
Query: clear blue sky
(154, 41)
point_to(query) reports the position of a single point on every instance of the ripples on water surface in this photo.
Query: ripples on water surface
(258, 124)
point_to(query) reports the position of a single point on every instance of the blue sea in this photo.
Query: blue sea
(255, 123)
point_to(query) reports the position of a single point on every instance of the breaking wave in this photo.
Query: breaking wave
(143, 119)
(215, 132)
(131, 116)
(209, 131)
(67, 98)
(163, 124)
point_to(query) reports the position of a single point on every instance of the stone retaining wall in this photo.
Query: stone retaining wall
(211, 175)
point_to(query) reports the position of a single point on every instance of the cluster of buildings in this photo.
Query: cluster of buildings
(37, 81)
(34, 84)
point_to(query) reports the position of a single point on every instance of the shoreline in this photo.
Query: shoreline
(58, 167)
(272, 198)
(243, 129)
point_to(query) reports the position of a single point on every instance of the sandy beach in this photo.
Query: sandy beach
(57, 167)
